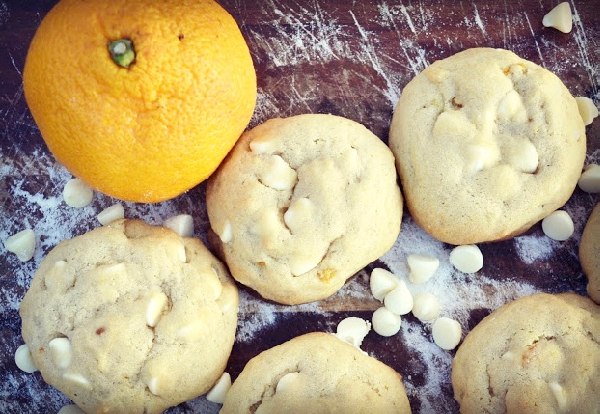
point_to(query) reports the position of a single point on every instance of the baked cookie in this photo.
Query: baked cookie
(302, 204)
(316, 373)
(537, 354)
(486, 145)
(589, 253)
(130, 318)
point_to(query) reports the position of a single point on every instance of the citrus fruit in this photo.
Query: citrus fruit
(140, 99)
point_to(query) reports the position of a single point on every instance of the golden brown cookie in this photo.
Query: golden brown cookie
(302, 204)
(589, 253)
(316, 373)
(486, 145)
(537, 354)
(130, 318)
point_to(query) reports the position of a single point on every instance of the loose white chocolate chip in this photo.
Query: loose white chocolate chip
(524, 157)
(385, 322)
(21, 244)
(382, 282)
(446, 333)
(77, 379)
(587, 109)
(77, 194)
(558, 225)
(399, 300)
(353, 330)
(183, 224)
(262, 145)
(590, 179)
(467, 258)
(299, 211)
(426, 306)
(285, 381)
(561, 396)
(110, 214)
(421, 267)
(24, 360)
(279, 175)
(218, 392)
(226, 234)
(156, 305)
(70, 409)
(61, 352)
(560, 18)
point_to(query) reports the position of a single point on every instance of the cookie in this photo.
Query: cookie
(302, 204)
(537, 354)
(589, 253)
(130, 318)
(486, 145)
(316, 373)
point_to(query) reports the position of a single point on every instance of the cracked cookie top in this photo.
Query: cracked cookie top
(130, 318)
(303, 203)
(537, 354)
(486, 145)
(316, 373)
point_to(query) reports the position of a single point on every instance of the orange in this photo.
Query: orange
(151, 130)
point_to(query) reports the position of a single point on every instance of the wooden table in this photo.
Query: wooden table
(346, 58)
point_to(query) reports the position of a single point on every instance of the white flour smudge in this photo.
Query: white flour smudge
(533, 248)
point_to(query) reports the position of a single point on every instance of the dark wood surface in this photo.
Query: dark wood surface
(348, 58)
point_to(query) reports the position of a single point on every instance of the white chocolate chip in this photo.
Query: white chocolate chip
(153, 385)
(77, 194)
(524, 157)
(218, 392)
(297, 214)
(263, 145)
(560, 18)
(182, 253)
(558, 225)
(61, 352)
(77, 379)
(285, 381)
(399, 300)
(426, 306)
(385, 322)
(560, 395)
(300, 264)
(22, 244)
(421, 267)
(215, 282)
(587, 109)
(70, 409)
(57, 277)
(226, 233)
(24, 360)
(382, 282)
(511, 106)
(479, 157)
(508, 355)
(183, 224)
(156, 305)
(353, 330)
(446, 333)
(110, 214)
(467, 258)
(279, 175)
(192, 332)
(590, 179)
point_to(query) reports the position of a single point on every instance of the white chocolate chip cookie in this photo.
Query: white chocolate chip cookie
(537, 354)
(486, 145)
(589, 253)
(316, 373)
(303, 203)
(130, 318)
